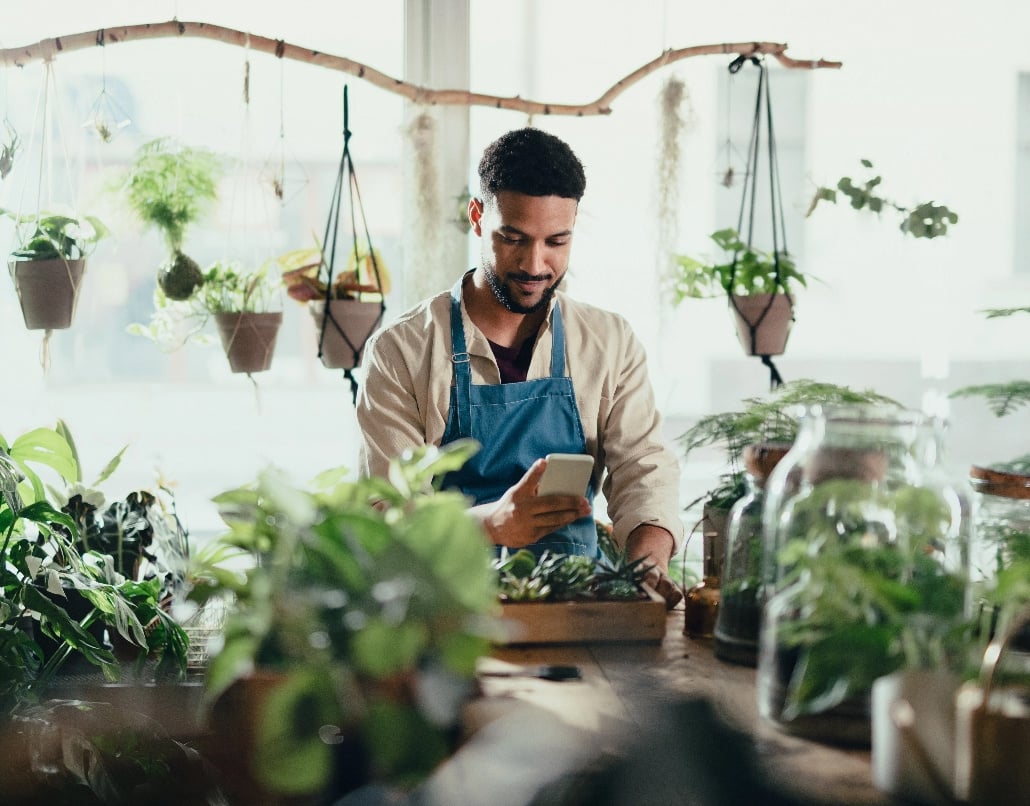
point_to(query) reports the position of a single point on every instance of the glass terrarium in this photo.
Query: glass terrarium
(868, 541)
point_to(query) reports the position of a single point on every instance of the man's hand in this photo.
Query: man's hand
(657, 545)
(520, 517)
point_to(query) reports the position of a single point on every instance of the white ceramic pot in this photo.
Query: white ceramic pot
(913, 734)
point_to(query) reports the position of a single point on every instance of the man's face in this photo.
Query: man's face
(526, 242)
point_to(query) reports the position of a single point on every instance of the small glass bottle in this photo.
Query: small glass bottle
(742, 590)
(702, 600)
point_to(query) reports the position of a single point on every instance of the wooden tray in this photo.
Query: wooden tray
(585, 622)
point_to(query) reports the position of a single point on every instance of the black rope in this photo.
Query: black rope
(748, 200)
(346, 173)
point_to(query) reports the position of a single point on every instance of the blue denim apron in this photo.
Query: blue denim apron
(515, 424)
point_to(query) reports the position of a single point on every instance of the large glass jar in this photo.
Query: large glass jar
(740, 607)
(869, 543)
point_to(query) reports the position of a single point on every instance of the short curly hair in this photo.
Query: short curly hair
(532, 162)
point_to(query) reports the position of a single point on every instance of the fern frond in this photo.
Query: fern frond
(995, 313)
(1003, 398)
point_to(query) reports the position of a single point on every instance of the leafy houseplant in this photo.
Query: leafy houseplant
(923, 220)
(45, 578)
(346, 308)
(363, 595)
(240, 301)
(760, 286)
(49, 262)
(169, 186)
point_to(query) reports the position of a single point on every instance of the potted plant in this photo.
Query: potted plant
(49, 262)
(760, 287)
(169, 187)
(345, 312)
(57, 600)
(563, 598)
(365, 609)
(240, 301)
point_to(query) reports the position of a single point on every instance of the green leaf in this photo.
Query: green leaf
(382, 649)
(46, 446)
(291, 757)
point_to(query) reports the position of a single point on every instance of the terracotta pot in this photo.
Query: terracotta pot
(48, 290)
(988, 481)
(347, 327)
(770, 314)
(249, 339)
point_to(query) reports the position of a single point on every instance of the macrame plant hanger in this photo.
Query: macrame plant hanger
(332, 228)
(763, 107)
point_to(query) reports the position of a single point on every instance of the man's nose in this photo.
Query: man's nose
(534, 260)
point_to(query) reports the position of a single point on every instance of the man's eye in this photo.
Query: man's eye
(561, 242)
(509, 238)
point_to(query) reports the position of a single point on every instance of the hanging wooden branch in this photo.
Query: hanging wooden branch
(48, 49)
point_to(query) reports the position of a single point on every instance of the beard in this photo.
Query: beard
(504, 295)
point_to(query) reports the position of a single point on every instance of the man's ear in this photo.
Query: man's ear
(475, 213)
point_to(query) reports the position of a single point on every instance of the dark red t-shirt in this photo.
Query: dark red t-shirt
(513, 362)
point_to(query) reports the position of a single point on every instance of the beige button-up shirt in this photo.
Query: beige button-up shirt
(405, 398)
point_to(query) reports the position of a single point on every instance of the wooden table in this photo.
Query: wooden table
(628, 696)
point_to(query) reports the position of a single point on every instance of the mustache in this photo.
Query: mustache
(522, 276)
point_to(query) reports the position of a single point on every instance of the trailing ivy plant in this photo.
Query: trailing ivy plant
(923, 220)
(743, 270)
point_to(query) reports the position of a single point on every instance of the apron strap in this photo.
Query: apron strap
(461, 360)
(462, 368)
(557, 344)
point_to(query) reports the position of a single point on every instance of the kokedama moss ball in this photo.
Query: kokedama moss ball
(180, 277)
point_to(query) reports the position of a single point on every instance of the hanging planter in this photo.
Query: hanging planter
(347, 306)
(48, 263)
(47, 269)
(759, 285)
(249, 339)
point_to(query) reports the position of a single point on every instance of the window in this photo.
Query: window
(1022, 211)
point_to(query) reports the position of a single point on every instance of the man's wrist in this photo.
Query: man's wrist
(650, 540)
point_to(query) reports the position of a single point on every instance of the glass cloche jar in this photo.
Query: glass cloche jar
(868, 544)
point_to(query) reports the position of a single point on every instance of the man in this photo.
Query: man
(508, 360)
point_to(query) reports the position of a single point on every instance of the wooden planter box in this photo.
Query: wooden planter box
(585, 622)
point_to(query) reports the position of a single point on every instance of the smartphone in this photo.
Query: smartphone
(566, 474)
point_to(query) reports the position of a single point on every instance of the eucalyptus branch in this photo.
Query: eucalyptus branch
(49, 49)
